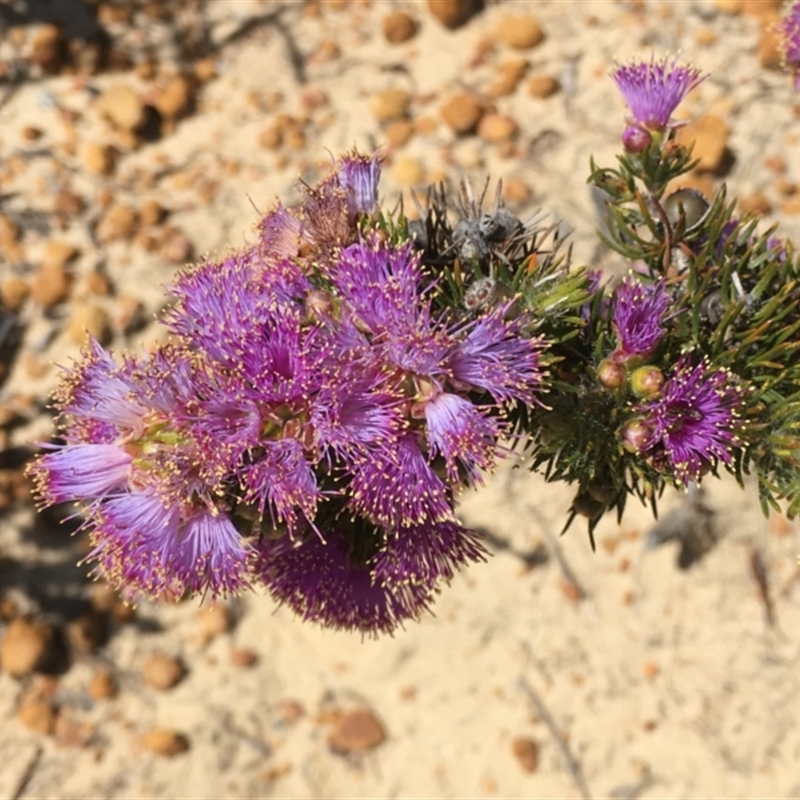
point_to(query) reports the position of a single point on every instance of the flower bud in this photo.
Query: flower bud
(635, 435)
(611, 374)
(647, 381)
(636, 140)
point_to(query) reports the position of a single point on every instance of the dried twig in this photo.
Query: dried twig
(758, 569)
(573, 767)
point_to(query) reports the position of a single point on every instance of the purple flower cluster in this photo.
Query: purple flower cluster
(692, 424)
(307, 428)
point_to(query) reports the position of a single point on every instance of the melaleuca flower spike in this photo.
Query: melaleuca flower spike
(789, 29)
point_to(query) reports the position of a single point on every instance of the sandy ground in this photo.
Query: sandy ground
(549, 671)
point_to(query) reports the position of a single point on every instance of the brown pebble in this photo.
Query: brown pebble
(543, 86)
(26, 646)
(175, 100)
(770, 44)
(14, 292)
(164, 742)
(162, 671)
(103, 685)
(151, 212)
(37, 715)
(88, 632)
(508, 77)
(407, 171)
(290, 711)
(9, 230)
(174, 246)
(118, 222)
(205, 69)
(497, 128)
(97, 283)
(452, 13)
(520, 31)
(705, 37)
(58, 254)
(791, 207)
(87, 318)
(243, 657)
(31, 133)
(214, 621)
(390, 104)
(462, 112)
(50, 286)
(68, 203)
(122, 106)
(98, 158)
(355, 732)
(755, 203)
(425, 125)
(399, 132)
(526, 751)
(398, 27)
(271, 137)
(49, 49)
(650, 669)
(516, 191)
(709, 136)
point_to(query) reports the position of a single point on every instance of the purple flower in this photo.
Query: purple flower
(324, 582)
(639, 310)
(152, 546)
(80, 472)
(395, 487)
(463, 434)
(695, 421)
(654, 89)
(426, 554)
(497, 357)
(790, 39)
(359, 175)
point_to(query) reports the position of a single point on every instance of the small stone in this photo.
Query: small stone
(399, 132)
(49, 49)
(452, 13)
(98, 158)
(89, 631)
(14, 292)
(87, 318)
(770, 44)
(214, 621)
(520, 31)
(151, 212)
(34, 366)
(97, 283)
(355, 732)
(425, 125)
(390, 105)
(176, 99)
(290, 711)
(162, 671)
(407, 171)
(243, 657)
(755, 203)
(122, 106)
(526, 751)
(58, 254)
(50, 286)
(650, 670)
(705, 37)
(271, 137)
(103, 685)
(68, 203)
(118, 222)
(462, 112)
(205, 69)
(543, 86)
(497, 128)
(784, 186)
(37, 715)
(709, 135)
(516, 191)
(30, 133)
(164, 742)
(508, 77)
(26, 646)
(399, 27)
(174, 246)
(327, 51)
